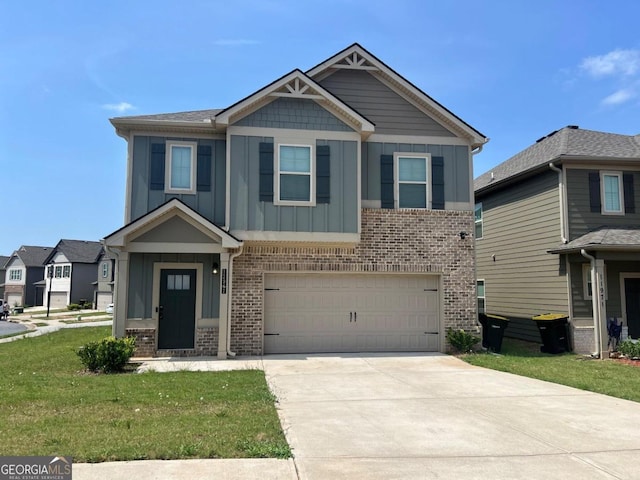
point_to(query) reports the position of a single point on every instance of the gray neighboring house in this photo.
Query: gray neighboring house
(24, 275)
(322, 213)
(556, 223)
(74, 268)
(103, 294)
(3, 270)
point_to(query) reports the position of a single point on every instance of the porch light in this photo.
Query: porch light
(215, 269)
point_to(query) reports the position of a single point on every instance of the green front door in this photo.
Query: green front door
(177, 309)
(632, 298)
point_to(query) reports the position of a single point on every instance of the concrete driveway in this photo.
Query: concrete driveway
(434, 416)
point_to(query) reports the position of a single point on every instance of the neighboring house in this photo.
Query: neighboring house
(72, 268)
(329, 211)
(549, 218)
(24, 271)
(103, 292)
(3, 270)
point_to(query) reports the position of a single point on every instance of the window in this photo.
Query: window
(58, 272)
(478, 211)
(412, 175)
(180, 168)
(294, 181)
(66, 271)
(611, 192)
(481, 296)
(178, 282)
(587, 286)
(15, 275)
(105, 269)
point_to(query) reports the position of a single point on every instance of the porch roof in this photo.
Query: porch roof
(625, 239)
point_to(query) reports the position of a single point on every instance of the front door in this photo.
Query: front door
(632, 298)
(177, 309)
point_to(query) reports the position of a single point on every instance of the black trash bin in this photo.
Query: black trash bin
(554, 332)
(493, 327)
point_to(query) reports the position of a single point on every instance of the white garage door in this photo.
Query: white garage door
(14, 299)
(312, 313)
(103, 299)
(58, 300)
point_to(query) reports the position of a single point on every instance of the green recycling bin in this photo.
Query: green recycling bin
(554, 332)
(493, 327)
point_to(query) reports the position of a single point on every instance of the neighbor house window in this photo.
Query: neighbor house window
(58, 272)
(66, 271)
(478, 211)
(294, 182)
(587, 285)
(105, 270)
(412, 175)
(180, 168)
(15, 275)
(611, 192)
(481, 296)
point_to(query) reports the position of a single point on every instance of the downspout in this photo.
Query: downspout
(229, 303)
(595, 303)
(116, 255)
(563, 234)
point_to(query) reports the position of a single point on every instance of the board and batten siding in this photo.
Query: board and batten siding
(390, 113)
(210, 204)
(457, 170)
(581, 219)
(520, 223)
(248, 213)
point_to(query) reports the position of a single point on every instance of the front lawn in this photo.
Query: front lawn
(49, 406)
(602, 376)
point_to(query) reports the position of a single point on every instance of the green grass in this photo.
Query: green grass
(49, 406)
(602, 376)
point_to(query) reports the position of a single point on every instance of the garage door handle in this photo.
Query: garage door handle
(350, 317)
(355, 316)
(270, 334)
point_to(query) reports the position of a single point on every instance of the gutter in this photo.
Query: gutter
(595, 304)
(229, 303)
(561, 189)
(116, 256)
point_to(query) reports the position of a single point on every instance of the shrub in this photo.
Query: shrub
(73, 306)
(109, 355)
(462, 341)
(630, 349)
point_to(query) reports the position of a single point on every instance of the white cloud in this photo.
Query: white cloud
(621, 96)
(118, 107)
(616, 62)
(234, 42)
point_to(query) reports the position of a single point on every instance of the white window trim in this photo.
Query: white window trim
(586, 280)
(312, 177)
(620, 193)
(63, 268)
(397, 182)
(476, 221)
(167, 167)
(484, 297)
(105, 269)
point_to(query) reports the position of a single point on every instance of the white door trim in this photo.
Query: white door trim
(623, 295)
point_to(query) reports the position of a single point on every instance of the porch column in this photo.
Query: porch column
(600, 297)
(120, 294)
(223, 323)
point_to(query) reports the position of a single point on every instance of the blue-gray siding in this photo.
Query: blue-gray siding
(390, 113)
(82, 277)
(249, 213)
(210, 204)
(456, 167)
(295, 113)
(141, 282)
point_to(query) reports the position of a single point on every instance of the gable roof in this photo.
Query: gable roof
(357, 57)
(77, 251)
(566, 143)
(32, 256)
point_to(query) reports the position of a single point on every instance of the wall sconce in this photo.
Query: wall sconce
(463, 235)
(215, 269)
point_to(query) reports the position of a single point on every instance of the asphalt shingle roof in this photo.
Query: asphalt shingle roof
(602, 238)
(33, 256)
(197, 116)
(3, 261)
(567, 142)
(80, 251)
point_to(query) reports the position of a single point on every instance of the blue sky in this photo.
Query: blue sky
(515, 70)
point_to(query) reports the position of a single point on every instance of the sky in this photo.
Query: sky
(515, 70)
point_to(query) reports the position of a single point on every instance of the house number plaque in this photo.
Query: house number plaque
(223, 282)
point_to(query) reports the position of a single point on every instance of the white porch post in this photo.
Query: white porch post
(120, 294)
(599, 293)
(223, 323)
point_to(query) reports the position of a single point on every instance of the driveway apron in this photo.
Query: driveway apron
(371, 416)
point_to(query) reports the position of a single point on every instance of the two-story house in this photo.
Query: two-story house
(24, 274)
(330, 211)
(556, 223)
(74, 270)
(3, 271)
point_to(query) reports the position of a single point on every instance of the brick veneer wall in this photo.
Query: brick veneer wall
(394, 241)
(206, 343)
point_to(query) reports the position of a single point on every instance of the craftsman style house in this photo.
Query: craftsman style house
(330, 211)
(558, 230)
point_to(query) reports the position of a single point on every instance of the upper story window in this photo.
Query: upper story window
(481, 296)
(58, 271)
(180, 171)
(612, 200)
(105, 269)
(15, 274)
(66, 271)
(294, 176)
(587, 285)
(412, 184)
(478, 219)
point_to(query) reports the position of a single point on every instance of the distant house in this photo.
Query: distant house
(74, 268)
(3, 270)
(103, 294)
(558, 230)
(24, 269)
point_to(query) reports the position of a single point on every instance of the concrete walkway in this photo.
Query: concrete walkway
(422, 416)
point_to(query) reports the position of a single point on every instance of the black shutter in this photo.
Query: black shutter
(266, 172)
(156, 167)
(386, 181)
(594, 192)
(437, 183)
(629, 194)
(323, 174)
(204, 168)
